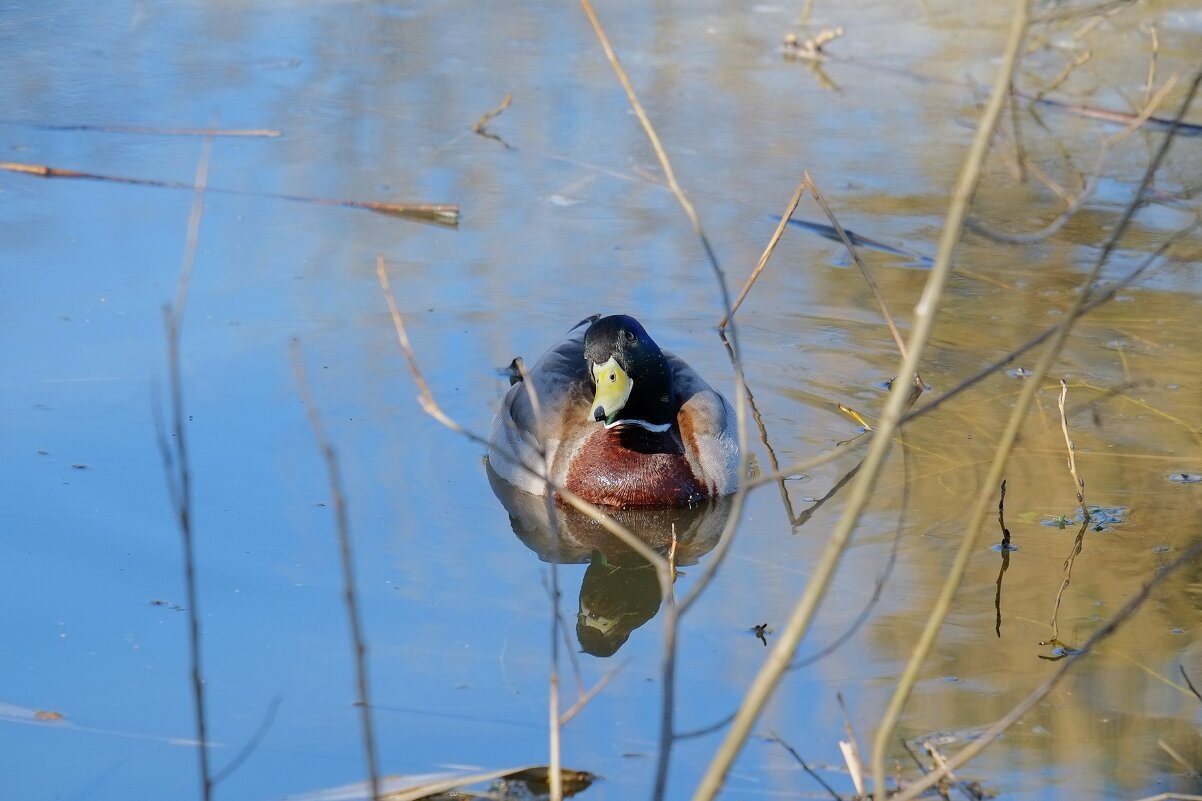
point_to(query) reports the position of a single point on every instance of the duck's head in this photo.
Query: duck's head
(632, 378)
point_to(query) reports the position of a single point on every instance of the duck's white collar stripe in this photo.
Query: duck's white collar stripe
(641, 424)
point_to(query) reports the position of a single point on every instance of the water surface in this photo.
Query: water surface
(566, 217)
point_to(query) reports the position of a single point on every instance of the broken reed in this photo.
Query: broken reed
(444, 214)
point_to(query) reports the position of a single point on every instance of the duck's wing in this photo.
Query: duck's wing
(708, 428)
(560, 382)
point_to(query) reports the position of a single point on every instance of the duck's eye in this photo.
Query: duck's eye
(613, 377)
(630, 337)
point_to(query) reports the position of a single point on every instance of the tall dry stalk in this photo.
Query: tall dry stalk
(673, 611)
(346, 556)
(1002, 451)
(799, 621)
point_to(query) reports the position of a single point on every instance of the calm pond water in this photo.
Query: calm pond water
(567, 216)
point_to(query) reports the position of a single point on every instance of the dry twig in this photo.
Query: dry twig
(916, 789)
(776, 235)
(935, 621)
(1180, 760)
(672, 610)
(436, 213)
(868, 279)
(793, 752)
(1078, 482)
(481, 129)
(349, 593)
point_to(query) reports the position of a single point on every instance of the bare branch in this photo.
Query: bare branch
(338, 499)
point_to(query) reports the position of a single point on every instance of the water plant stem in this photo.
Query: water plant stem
(346, 557)
(1005, 444)
(781, 654)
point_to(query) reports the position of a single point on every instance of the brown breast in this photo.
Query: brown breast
(630, 466)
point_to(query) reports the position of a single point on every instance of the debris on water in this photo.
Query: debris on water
(760, 631)
(811, 49)
(1186, 478)
(1003, 547)
(1101, 518)
(1162, 548)
(1059, 651)
(1019, 372)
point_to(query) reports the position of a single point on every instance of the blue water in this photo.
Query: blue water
(376, 102)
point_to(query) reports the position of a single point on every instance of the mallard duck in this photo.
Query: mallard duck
(622, 422)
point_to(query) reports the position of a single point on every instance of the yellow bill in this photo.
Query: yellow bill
(613, 390)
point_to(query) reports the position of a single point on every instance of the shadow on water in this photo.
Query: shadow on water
(620, 591)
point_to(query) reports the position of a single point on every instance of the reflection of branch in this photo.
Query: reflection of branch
(481, 126)
(793, 752)
(252, 744)
(979, 744)
(338, 499)
(582, 702)
(1005, 548)
(1068, 577)
(672, 610)
(430, 406)
(1074, 204)
(177, 468)
(1063, 76)
(1180, 760)
(924, 319)
(150, 130)
(968, 543)
(1104, 297)
(1081, 11)
(663, 572)
(883, 577)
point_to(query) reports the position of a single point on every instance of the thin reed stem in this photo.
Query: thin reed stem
(718, 555)
(799, 621)
(1078, 482)
(855, 255)
(445, 214)
(767, 254)
(987, 737)
(349, 592)
(430, 406)
(1002, 452)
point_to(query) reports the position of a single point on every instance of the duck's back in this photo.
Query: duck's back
(560, 382)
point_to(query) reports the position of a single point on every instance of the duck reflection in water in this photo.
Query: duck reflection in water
(620, 591)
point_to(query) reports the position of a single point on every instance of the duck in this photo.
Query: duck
(616, 420)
